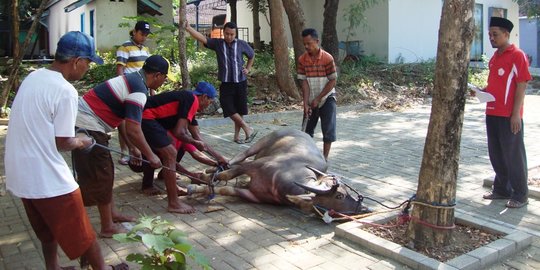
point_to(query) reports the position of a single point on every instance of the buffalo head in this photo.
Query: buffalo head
(329, 193)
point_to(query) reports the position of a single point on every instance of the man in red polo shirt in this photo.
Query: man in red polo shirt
(508, 77)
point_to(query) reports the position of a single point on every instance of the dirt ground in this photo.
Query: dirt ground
(464, 239)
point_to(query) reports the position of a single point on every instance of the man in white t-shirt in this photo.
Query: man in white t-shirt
(42, 123)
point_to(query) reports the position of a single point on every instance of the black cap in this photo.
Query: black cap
(143, 27)
(502, 23)
(156, 63)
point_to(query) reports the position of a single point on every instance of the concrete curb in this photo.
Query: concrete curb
(480, 258)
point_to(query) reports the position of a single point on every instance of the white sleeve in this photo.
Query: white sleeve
(65, 114)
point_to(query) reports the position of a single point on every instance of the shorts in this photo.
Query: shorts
(233, 98)
(62, 219)
(181, 146)
(327, 113)
(95, 171)
(155, 134)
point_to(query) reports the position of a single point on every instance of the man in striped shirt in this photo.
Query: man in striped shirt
(317, 71)
(101, 110)
(230, 53)
(130, 57)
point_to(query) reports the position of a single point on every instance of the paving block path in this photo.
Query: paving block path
(379, 153)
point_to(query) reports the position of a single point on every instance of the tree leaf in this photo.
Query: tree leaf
(183, 247)
(157, 242)
(135, 257)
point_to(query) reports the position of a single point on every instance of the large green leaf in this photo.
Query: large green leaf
(157, 242)
(183, 247)
(176, 266)
(136, 258)
(126, 238)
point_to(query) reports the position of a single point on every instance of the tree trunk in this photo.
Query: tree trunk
(431, 226)
(13, 74)
(182, 51)
(297, 23)
(329, 35)
(284, 78)
(232, 4)
(256, 26)
(15, 28)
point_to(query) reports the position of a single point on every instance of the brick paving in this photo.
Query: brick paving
(379, 153)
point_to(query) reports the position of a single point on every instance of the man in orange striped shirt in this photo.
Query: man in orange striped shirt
(317, 71)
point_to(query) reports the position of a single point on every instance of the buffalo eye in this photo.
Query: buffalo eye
(339, 196)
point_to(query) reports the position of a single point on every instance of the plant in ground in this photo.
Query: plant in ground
(167, 247)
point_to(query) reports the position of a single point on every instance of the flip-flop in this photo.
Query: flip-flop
(495, 196)
(252, 136)
(516, 204)
(239, 141)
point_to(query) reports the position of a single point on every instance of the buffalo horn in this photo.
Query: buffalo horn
(319, 188)
(316, 171)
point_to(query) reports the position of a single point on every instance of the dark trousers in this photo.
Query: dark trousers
(508, 158)
(327, 113)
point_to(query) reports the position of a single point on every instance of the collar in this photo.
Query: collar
(508, 49)
(316, 56)
(142, 74)
(135, 44)
(232, 42)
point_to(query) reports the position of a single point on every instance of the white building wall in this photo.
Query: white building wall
(107, 16)
(513, 15)
(375, 39)
(413, 30)
(529, 37)
(58, 23)
(398, 30)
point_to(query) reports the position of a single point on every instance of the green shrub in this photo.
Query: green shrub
(100, 73)
(167, 247)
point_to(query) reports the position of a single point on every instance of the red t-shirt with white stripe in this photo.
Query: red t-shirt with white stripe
(506, 70)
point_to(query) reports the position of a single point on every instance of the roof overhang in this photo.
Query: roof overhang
(76, 5)
(148, 6)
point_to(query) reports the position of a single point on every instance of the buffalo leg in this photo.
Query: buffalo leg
(225, 191)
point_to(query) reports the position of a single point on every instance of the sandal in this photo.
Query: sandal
(239, 141)
(494, 196)
(515, 203)
(252, 136)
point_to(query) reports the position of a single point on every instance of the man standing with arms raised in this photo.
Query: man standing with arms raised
(230, 53)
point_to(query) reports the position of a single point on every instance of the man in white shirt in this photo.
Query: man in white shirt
(42, 123)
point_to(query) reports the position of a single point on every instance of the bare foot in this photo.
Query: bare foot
(117, 218)
(151, 191)
(108, 233)
(182, 208)
(181, 191)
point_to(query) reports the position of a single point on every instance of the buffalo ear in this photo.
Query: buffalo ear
(320, 189)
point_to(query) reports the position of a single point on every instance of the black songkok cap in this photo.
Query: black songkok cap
(502, 23)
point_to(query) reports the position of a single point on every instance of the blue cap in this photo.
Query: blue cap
(78, 44)
(205, 88)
